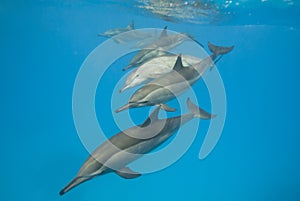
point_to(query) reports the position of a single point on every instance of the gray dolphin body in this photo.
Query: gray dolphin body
(123, 148)
(167, 87)
(116, 31)
(159, 47)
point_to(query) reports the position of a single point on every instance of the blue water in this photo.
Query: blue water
(43, 44)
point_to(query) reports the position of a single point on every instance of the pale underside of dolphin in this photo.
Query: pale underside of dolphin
(156, 68)
(167, 87)
(123, 148)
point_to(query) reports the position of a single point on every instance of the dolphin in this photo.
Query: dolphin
(116, 31)
(127, 146)
(155, 68)
(159, 47)
(139, 37)
(167, 87)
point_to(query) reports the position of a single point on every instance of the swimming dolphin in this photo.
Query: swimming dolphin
(159, 47)
(116, 31)
(139, 37)
(165, 88)
(149, 52)
(155, 68)
(125, 147)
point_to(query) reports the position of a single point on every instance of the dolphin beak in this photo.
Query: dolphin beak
(73, 183)
(124, 107)
(123, 89)
(127, 86)
(127, 67)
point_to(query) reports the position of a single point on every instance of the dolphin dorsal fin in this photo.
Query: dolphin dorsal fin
(131, 25)
(178, 64)
(153, 117)
(164, 32)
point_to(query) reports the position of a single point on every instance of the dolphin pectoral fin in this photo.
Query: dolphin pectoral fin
(127, 173)
(167, 108)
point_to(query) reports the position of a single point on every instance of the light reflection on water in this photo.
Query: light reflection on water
(178, 10)
(218, 11)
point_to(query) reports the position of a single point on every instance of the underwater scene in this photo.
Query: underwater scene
(150, 100)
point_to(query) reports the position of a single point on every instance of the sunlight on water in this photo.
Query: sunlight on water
(190, 11)
(216, 12)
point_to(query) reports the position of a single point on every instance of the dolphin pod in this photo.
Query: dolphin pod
(171, 75)
(167, 87)
(127, 146)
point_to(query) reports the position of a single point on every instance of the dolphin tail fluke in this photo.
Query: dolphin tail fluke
(73, 183)
(199, 112)
(124, 107)
(218, 50)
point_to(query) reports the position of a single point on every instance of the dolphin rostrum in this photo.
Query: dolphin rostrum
(125, 147)
(155, 68)
(116, 31)
(167, 87)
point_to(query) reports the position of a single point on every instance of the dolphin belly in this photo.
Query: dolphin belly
(123, 158)
(163, 94)
(159, 95)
